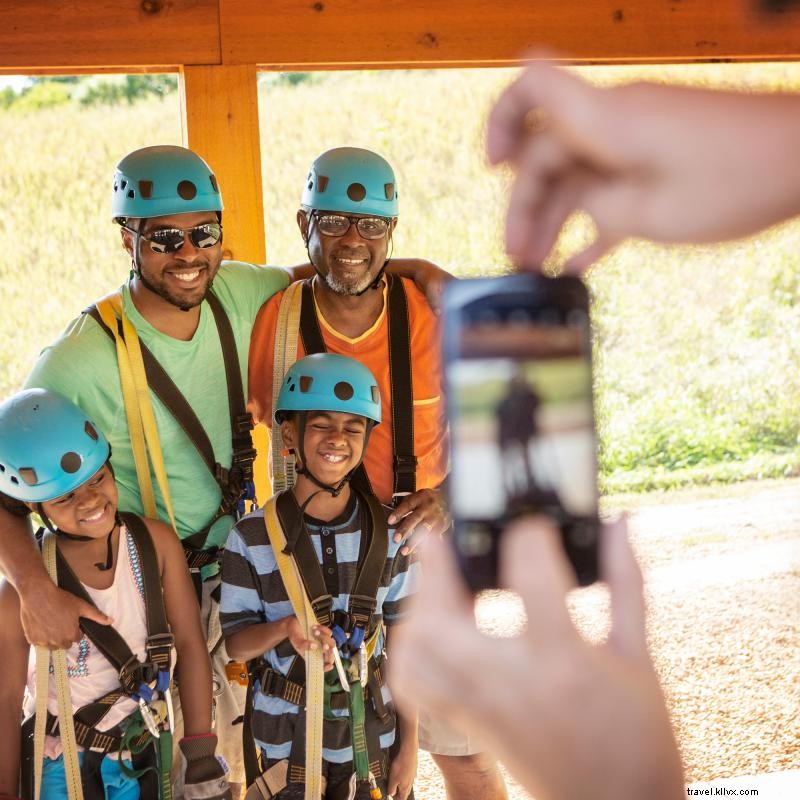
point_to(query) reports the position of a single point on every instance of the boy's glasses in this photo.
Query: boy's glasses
(339, 224)
(170, 240)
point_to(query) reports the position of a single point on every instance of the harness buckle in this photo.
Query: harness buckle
(133, 674)
(405, 465)
(361, 609)
(322, 608)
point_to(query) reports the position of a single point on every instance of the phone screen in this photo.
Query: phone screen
(519, 383)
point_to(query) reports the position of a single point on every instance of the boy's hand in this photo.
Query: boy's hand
(402, 772)
(323, 639)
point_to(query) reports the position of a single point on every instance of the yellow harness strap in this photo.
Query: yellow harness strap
(142, 426)
(286, 333)
(72, 770)
(315, 673)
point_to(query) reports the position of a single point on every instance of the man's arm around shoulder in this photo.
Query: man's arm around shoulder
(49, 615)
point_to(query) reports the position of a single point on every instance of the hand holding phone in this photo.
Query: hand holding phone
(517, 354)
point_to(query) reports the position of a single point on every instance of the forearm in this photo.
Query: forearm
(19, 556)
(416, 269)
(10, 711)
(299, 272)
(195, 686)
(255, 640)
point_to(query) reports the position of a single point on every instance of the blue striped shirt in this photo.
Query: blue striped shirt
(253, 592)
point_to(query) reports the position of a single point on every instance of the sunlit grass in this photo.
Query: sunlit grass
(697, 349)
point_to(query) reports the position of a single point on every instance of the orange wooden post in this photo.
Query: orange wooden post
(220, 122)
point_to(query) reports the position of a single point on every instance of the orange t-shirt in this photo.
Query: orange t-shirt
(372, 350)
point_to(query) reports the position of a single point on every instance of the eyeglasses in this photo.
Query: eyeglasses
(339, 224)
(170, 240)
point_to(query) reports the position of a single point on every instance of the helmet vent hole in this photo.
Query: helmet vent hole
(90, 431)
(28, 474)
(322, 183)
(14, 480)
(123, 185)
(214, 184)
(376, 395)
(131, 194)
(305, 383)
(187, 190)
(343, 390)
(146, 189)
(70, 462)
(356, 192)
(388, 190)
(2, 468)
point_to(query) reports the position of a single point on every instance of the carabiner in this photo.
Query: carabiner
(149, 720)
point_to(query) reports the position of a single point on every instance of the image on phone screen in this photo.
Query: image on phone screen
(519, 385)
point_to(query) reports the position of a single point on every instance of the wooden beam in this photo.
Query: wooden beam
(107, 33)
(58, 36)
(220, 122)
(304, 35)
(219, 106)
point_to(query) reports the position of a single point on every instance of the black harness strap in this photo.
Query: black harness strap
(230, 481)
(405, 461)
(106, 638)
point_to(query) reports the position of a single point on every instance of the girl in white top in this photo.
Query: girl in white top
(55, 461)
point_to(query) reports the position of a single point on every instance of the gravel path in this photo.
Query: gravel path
(723, 585)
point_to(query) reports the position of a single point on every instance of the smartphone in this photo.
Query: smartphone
(518, 374)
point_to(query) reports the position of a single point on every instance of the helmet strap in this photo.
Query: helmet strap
(103, 566)
(303, 470)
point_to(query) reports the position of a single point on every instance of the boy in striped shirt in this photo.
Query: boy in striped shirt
(336, 532)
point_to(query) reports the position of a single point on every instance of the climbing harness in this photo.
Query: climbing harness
(147, 733)
(141, 372)
(358, 676)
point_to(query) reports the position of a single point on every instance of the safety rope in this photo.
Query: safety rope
(138, 407)
(286, 336)
(315, 674)
(72, 770)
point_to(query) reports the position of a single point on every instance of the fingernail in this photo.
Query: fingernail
(392, 519)
(398, 537)
(404, 551)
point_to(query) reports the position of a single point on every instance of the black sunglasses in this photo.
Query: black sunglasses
(170, 240)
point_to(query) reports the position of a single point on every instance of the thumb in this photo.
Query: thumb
(90, 611)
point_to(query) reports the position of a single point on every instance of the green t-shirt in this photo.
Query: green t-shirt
(82, 366)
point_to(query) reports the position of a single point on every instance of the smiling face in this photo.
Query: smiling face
(333, 444)
(349, 263)
(89, 510)
(181, 278)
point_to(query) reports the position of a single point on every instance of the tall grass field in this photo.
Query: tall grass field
(697, 349)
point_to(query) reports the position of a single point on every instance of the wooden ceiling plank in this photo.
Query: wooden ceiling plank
(107, 33)
(303, 34)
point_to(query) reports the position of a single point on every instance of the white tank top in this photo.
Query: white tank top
(91, 675)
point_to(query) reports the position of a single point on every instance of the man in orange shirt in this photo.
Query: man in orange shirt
(354, 308)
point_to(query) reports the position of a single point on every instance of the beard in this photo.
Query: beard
(183, 302)
(350, 288)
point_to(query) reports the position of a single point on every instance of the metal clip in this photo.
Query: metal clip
(362, 665)
(149, 720)
(170, 711)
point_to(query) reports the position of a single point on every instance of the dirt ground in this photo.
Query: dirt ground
(722, 570)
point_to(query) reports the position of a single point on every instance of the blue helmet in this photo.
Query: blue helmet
(48, 446)
(161, 180)
(353, 181)
(329, 382)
